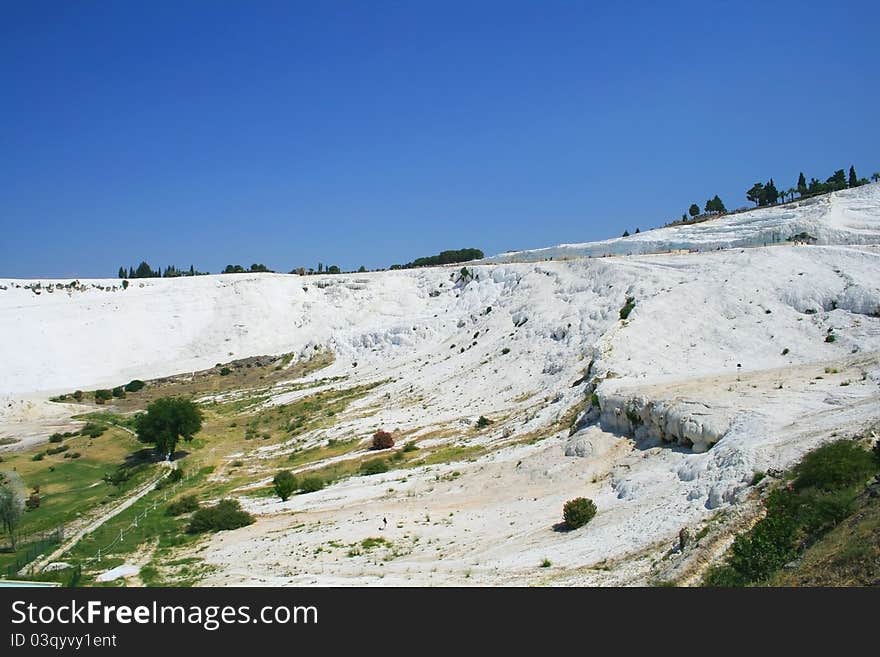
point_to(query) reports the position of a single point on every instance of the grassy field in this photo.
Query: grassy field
(71, 484)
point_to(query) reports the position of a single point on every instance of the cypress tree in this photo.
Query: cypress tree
(853, 178)
(802, 185)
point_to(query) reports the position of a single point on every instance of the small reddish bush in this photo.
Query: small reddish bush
(382, 440)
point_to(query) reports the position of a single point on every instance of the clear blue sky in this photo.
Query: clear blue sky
(371, 133)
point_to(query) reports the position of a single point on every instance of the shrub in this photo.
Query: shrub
(627, 307)
(225, 371)
(785, 351)
(103, 395)
(38, 456)
(92, 430)
(57, 450)
(32, 502)
(578, 512)
(134, 385)
(56, 438)
(118, 392)
(376, 466)
(382, 440)
(410, 446)
(186, 504)
(505, 351)
(311, 484)
(823, 493)
(78, 395)
(835, 465)
(72, 455)
(118, 477)
(483, 422)
(284, 483)
(226, 514)
(830, 338)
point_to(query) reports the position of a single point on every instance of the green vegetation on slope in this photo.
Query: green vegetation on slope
(821, 492)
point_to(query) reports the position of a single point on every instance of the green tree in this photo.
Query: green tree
(333, 269)
(122, 272)
(771, 194)
(875, 177)
(144, 271)
(166, 421)
(12, 503)
(837, 181)
(284, 483)
(715, 204)
(756, 193)
(625, 233)
(361, 269)
(684, 216)
(853, 178)
(802, 185)
(694, 210)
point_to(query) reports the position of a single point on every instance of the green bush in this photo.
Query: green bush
(103, 395)
(835, 465)
(823, 493)
(186, 504)
(627, 307)
(284, 484)
(578, 512)
(311, 484)
(78, 395)
(134, 385)
(376, 466)
(92, 430)
(38, 456)
(226, 514)
(483, 422)
(119, 476)
(118, 392)
(57, 450)
(56, 438)
(410, 446)
(72, 455)
(225, 371)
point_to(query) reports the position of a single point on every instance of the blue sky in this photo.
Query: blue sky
(371, 133)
